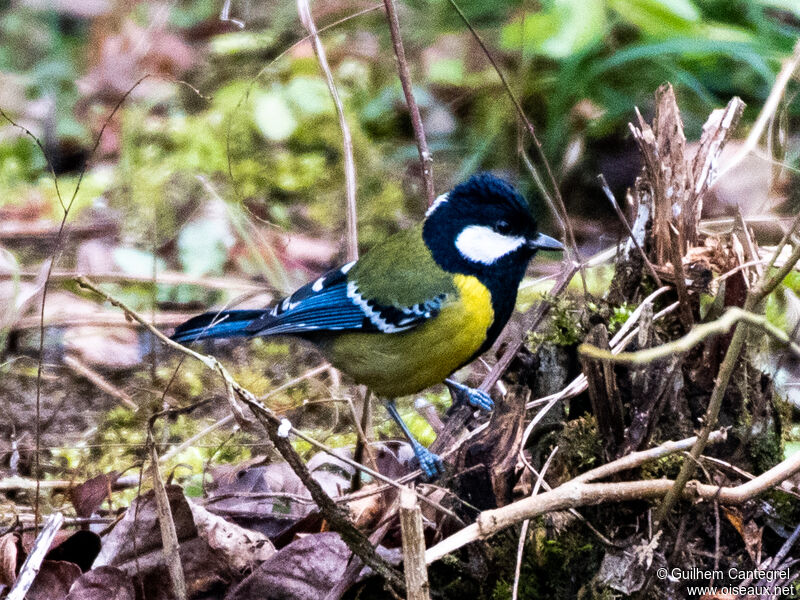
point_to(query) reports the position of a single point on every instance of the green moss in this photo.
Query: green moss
(786, 507)
(667, 466)
(562, 326)
(580, 446)
(341, 440)
(765, 450)
(619, 314)
(551, 568)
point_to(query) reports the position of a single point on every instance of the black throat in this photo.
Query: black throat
(502, 278)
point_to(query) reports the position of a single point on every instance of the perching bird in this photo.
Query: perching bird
(416, 307)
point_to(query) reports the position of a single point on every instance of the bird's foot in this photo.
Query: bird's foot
(476, 398)
(430, 463)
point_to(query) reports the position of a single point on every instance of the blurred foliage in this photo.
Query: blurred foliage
(233, 142)
(271, 143)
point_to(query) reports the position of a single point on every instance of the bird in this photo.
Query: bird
(416, 307)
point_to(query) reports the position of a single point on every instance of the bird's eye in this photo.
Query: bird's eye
(503, 227)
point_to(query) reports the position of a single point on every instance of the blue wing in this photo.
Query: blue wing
(331, 303)
(334, 303)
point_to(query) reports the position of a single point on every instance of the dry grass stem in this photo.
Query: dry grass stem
(698, 334)
(169, 536)
(765, 116)
(304, 11)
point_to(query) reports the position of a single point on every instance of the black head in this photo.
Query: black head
(484, 227)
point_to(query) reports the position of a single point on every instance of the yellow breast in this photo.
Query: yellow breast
(399, 364)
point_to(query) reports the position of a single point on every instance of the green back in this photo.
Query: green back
(415, 276)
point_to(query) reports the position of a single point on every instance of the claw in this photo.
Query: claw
(480, 399)
(476, 398)
(430, 463)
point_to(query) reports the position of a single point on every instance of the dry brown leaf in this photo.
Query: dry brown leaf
(751, 533)
(11, 557)
(242, 548)
(306, 569)
(103, 583)
(89, 495)
(54, 580)
(80, 548)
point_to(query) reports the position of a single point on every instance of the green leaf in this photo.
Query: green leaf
(309, 96)
(564, 28)
(203, 246)
(273, 117)
(658, 18)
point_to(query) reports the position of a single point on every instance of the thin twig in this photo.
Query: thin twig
(573, 495)
(523, 534)
(770, 106)
(610, 195)
(83, 370)
(573, 246)
(425, 158)
(698, 334)
(304, 11)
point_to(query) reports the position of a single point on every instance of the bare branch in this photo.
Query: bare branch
(573, 495)
(635, 459)
(425, 158)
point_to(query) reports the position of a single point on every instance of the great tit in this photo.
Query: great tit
(415, 308)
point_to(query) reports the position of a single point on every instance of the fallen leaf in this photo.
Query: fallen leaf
(81, 548)
(306, 569)
(241, 548)
(103, 583)
(134, 545)
(90, 495)
(139, 532)
(751, 533)
(54, 580)
(11, 557)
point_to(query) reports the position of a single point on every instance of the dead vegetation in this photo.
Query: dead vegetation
(653, 444)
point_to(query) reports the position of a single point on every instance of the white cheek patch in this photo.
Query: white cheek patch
(484, 245)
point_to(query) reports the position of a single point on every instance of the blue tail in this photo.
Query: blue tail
(222, 324)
